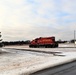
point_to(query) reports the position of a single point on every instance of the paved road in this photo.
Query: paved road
(66, 69)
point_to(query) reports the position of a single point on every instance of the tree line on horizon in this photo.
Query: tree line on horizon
(26, 42)
(16, 42)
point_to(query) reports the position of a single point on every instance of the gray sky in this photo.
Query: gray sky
(28, 19)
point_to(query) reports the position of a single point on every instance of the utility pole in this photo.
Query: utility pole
(74, 38)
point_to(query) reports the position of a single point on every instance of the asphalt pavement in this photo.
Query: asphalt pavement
(65, 69)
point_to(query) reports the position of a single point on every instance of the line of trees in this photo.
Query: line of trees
(28, 42)
(60, 41)
(16, 42)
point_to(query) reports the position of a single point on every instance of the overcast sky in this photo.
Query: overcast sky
(28, 19)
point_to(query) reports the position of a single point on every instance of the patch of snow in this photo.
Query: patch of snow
(16, 62)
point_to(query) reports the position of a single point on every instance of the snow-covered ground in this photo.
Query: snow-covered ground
(24, 62)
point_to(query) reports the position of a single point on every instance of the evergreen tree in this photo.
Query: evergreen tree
(0, 40)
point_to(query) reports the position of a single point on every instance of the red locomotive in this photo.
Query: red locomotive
(47, 42)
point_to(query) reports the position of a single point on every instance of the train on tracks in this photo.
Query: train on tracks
(47, 42)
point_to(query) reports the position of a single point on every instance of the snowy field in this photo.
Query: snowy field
(22, 60)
